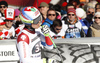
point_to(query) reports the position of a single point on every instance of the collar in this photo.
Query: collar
(33, 32)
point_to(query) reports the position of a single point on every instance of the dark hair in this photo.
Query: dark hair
(97, 4)
(57, 7)
(57, 22)
(69, 5)
(51, 6)
(51, 10)
(4, 3)
(77, 1)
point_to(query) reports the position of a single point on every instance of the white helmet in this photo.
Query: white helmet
(30, 15)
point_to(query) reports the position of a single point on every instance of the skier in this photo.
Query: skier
(29, 39)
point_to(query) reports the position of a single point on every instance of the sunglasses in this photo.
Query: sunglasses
(96, 17)
(2, 6)
(51, 14)
(9, 20)
(58, 29)
(71, 14)
(90, 12)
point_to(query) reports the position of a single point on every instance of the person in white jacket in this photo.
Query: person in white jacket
(29, 39)
(9, 28)
(71, 25)
(56, 31)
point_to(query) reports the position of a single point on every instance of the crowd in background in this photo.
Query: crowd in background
(75, 19)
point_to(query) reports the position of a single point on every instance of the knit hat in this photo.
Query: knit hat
(4, 3)
(17, 12)
(71, 10)
(43, 4)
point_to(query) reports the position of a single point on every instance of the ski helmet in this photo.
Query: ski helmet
(30, 15)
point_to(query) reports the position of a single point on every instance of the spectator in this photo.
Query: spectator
(57, 8)
(81, 14)
(67, 7)
(97, 7)
(43, 8)
(9, 15)
(51, 16)
(88, 20)
(71, 26)
(17, 19)
(94, 30)
(3, 6)
(56, 29)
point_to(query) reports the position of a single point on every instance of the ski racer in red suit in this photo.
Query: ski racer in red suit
(29, 39)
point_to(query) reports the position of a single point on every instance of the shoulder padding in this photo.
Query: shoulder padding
(23, 37)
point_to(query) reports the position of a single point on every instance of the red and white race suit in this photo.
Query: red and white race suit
(28, 43)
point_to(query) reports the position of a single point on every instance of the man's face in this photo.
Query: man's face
(90, 11)
(2, 8)
(9, 23)
(71, 16)
(44, 10)
(51, 15)
(57, 29)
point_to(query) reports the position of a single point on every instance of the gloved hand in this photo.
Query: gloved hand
(45, 29)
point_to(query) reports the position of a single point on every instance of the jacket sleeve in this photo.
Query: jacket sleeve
(89, 33)
(46, 23)
(46, 41)
(82, 33)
